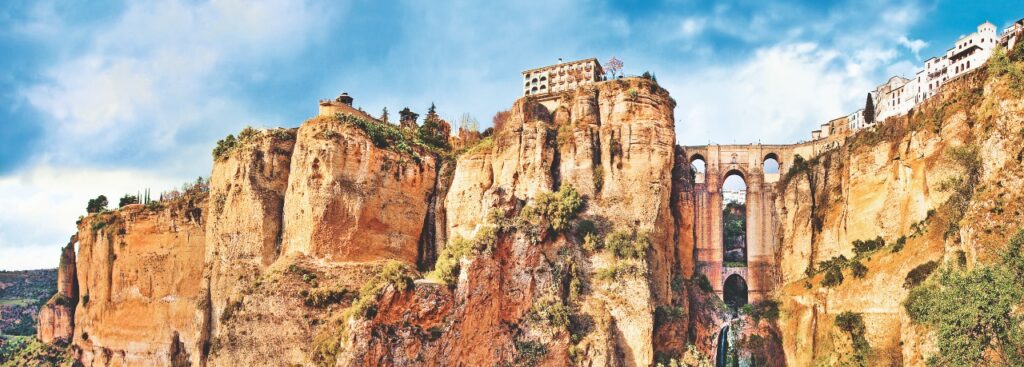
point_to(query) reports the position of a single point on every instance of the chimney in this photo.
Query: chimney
(344, 98)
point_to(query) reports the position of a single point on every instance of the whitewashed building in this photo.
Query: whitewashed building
(855, 120)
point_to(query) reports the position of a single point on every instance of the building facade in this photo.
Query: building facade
(562, 76)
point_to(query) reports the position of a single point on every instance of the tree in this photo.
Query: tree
(432, 110)
(97, 205)
(127, 200)
(613, 66)
(869, 110)
(384, 115)
(499, 119)
(468, 122)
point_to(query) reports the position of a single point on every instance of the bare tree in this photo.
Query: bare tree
(468, 122)
(613, 66)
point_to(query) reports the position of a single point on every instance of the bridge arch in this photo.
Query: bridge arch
(734, 291)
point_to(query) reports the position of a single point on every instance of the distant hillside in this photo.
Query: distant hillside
(21, 295)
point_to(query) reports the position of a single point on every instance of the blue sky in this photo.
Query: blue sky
(114, 97)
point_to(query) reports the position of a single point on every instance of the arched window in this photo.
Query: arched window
(543, 78)
(771, 163)
(534, 89)
(734, 220)
(697, 164)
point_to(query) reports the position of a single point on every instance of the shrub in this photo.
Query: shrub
(702, 282)
(767, 309)
(900, 242)
(446, 268)
(628, 244)
(97, 205)
(850, 322)
(394, 274)
(321, 297)
(615, 272)
(224, 146)
(974, 311)
(833, 277)
(306, 275)
(863, 247)
(127, 200)
(858, 269)
(559, 208)
(549, 310)
(667, 314)
(919, 274)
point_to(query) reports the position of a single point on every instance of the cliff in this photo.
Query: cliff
(938, 185)
(576, 234)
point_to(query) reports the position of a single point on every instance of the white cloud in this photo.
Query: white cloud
(164, 69)
(778, 95)
(691, 27)
(41, 204)
(914, 46)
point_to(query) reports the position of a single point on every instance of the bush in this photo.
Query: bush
(702, 282)
(321, 297)
(863, 247)
(616, 272)
(850, 322)
(919, 274)
(974, 312)
(97, 205)
(224, 146)
(446, 268)
(858, 269)
(900, 242)
(127, 200)
(394, 274)
(559, 208)
(625, 244)
(767, 309)
(549, 310)
(833, 277)
(667, 314)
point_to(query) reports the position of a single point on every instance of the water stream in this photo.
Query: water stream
(723, 346)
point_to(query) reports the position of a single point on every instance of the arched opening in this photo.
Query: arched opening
(771, 163)
(734, 291)
(543, 78)
(697, 163)
(697, 168)
(534, 89)
(734, 220)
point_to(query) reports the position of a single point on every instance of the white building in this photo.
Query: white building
(856, 120)
(733, 196)
(888, 98)
(562, 76)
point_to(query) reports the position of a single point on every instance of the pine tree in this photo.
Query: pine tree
(869, 110)
(384, 115)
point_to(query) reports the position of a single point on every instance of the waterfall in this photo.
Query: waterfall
(723, 346)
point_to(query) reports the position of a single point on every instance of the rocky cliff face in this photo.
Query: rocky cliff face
(565, 238)
(138, 270)
(56, 317)
(897, 183)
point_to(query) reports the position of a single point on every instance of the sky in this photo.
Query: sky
(119, 96)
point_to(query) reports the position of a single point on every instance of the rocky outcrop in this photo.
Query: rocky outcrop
(894, 182)
(350, 201)
(56, 317)
(138, 271)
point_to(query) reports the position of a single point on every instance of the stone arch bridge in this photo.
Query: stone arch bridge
(760, 274)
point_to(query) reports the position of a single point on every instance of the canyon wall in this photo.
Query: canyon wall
(894, 182)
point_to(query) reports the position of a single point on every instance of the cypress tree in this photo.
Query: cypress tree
(869, 110)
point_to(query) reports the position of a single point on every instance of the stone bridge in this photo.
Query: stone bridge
(760, 275)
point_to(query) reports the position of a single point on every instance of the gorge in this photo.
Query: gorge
(576, 233)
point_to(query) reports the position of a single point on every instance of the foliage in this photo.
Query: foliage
(628, 244)
(833, 269)
(974, 313)
(306, 275)
(1006, 64)
(858, 269)
(869, 110)
(97, 205)
(616, 272)
(21, 295)
(549, 310)
(702, 282)
(224, 146)
(852, 323)
(558, 208)
(667, 314)
(391, 137)
(434, 131)
(598, 178)
(29, 351)
(767, 309)
(394, 274)
(900, 242)
(528, 353)
(500, 119)
(127, 200)
(919, 274)
(861, 247)
(446, 268)
(322, 297)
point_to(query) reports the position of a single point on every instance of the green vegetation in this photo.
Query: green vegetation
(230, 143)
(702, 282)
(974, 312)
(962, 187)
(557, 208)
(393, 274)
(391, 137)
(97, 205)
(549, 310)
(919, 274)
(29, 351)
(306, 275)
(767, 309)
(127, 200)
(528, 354)
(446, 269)
(1006, 64)
(616, 271)
(323, 297)
(852, 324)
(861, 247)
(20, 298)
(900, 242)
(667, 314)
(858, 269)
(628, 244)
